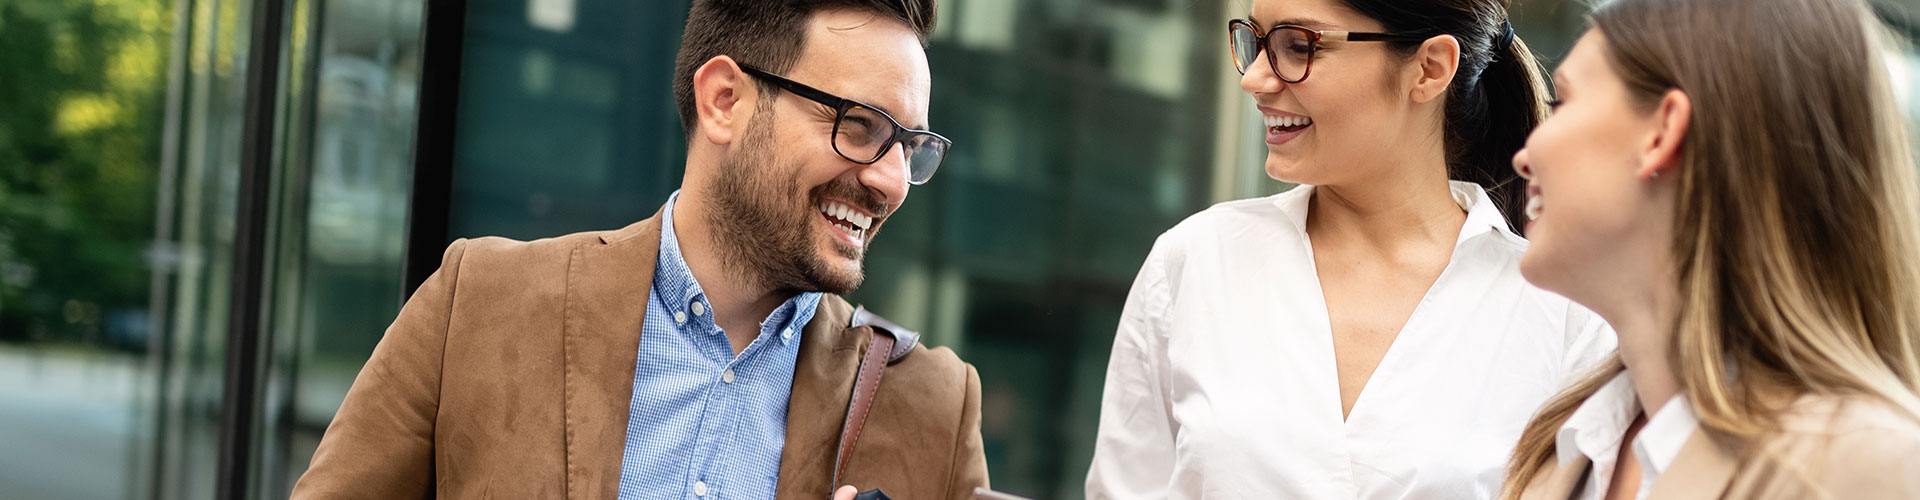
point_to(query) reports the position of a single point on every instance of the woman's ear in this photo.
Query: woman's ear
(1669, 121)
(1437, 60)
(720, 89)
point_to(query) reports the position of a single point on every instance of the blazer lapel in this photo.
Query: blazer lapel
(1701, 470)
(822, 385)
(1562, 482)
(608, 284)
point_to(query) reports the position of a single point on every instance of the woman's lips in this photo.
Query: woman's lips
(1283, 126)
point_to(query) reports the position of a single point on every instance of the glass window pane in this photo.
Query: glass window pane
(352, 84)
(199, 192)
(565, 126)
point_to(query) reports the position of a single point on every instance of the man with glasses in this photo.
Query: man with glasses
(703, 352)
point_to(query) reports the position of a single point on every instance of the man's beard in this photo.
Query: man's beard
(765, 236)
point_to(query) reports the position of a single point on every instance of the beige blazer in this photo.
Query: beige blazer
(1829, 447)
(509, 374)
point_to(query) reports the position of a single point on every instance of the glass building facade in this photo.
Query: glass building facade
(211, 209)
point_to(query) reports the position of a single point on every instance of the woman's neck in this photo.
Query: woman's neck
(1388, 211)
(1643, 307)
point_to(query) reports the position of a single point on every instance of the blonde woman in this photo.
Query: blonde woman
(1727, 183)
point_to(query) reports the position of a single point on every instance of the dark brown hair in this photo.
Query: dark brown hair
(1795, 224)
(767, 34)
(1496, 98)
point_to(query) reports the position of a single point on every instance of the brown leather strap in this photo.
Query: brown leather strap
(865, 385)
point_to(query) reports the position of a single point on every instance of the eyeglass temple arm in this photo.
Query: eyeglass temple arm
(1349, 36)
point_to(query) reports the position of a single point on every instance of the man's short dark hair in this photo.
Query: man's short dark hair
(767, 34)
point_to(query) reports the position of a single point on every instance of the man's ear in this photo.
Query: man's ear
(1436, 61)
(723, 98)
(1662, 151)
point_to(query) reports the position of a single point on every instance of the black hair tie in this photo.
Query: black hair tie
(1502, 45)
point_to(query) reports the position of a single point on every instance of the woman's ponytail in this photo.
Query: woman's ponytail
(1489, 115)
(1497, 96)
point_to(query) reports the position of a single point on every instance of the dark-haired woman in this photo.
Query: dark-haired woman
(1367, 334)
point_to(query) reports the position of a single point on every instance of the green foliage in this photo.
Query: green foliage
(81, 104)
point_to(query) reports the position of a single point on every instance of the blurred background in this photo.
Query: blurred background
(207, 220)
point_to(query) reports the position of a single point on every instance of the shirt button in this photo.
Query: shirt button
(787, 333)
(699, 309)
(679, 317)
(727, 376)
(700, 488)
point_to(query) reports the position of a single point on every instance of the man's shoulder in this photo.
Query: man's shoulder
(500, 255)
(555, 248)
(934, 373)
(490, 269)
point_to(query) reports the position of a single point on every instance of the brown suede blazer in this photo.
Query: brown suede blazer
(509, 374)
(1829, 447)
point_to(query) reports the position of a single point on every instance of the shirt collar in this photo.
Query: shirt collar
(1597, 426)
(680, 293)
(1295, 203)
(1666, 432)
(1482, 216)
(1595, 429)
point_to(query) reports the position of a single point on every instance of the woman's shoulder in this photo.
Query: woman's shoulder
(1265, 217)
(1836, 417)
(1848, 446)
(1848, 431)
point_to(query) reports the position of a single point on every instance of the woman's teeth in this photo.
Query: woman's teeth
(846, 217)
(1533, 207)
(1286, 123)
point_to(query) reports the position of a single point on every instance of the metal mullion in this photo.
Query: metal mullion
(281, 345)
(429, 207)
(164, 272)
(252, 234)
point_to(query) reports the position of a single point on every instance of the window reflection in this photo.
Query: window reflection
(338, 277)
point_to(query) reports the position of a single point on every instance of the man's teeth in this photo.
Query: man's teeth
(847, 214)
(1533, 207)
(1286, 121)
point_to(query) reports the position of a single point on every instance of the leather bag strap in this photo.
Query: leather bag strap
(865, 385)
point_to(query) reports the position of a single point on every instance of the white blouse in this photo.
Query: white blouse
(1222, 382)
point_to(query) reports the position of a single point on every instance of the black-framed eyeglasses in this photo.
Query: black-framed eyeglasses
(862, 133)
(1290, 48)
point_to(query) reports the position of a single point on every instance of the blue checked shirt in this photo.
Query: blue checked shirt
(705, 424)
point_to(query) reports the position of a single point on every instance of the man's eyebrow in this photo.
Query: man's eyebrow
(895, 116)
(890, 114)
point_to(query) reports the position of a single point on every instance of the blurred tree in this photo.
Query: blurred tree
(81, 102)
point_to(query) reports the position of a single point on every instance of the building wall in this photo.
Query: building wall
(1083, 129)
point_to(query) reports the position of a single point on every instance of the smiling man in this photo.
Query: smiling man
(702, 353)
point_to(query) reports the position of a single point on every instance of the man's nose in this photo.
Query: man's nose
(887, 177)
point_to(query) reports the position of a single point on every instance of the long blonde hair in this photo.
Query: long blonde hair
(1797, 232)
